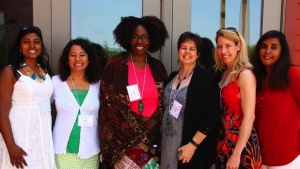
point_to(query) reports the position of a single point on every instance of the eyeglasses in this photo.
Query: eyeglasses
(232, 29)
(137, 37)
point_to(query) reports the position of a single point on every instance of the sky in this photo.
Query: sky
(207, 11)
(96, 19)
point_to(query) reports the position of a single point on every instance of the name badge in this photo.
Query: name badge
(175, 109)
(85, 121)
(133, 92)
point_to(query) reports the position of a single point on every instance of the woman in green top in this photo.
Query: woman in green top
(76, 95)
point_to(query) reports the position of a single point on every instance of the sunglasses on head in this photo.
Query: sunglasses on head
(28, 28)
(232, 29)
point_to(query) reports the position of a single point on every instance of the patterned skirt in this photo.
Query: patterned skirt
(68, 160)
(137, 158)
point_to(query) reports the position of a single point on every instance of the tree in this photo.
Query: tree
(110, 51)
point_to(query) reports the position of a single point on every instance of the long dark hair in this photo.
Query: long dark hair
(279, 78)
(16, 57)
(101, 54)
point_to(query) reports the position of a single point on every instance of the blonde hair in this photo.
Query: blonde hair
(242, 58)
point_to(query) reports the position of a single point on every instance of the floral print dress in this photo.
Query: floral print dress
(232, 119)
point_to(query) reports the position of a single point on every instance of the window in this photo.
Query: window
(96, 19)
(206, 20)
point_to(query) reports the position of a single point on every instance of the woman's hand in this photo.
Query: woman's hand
(16, 155)
(186, 153)
(233, 162)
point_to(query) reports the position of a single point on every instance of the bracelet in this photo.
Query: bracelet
(194, 143)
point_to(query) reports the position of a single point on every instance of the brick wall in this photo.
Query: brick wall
(296, 57)
(292, 29)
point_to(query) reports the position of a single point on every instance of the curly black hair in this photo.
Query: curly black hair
(101, 54)
(16, 57)
(92, 72)
(155, 27)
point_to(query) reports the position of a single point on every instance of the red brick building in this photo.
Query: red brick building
(292, 28)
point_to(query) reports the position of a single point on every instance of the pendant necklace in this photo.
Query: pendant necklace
(141, 104)
(74, 90)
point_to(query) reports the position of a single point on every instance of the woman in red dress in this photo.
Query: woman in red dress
(240, 147)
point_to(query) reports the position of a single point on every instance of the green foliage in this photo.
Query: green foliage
(110, 51)
(251, 50)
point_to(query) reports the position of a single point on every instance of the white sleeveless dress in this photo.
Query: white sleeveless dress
(30, 118)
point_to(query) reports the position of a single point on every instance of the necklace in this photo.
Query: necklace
(141, 104)
(37, 77)
(74, 89)
(180, 80)
(222, 86)
(184, 78)
(178, 88)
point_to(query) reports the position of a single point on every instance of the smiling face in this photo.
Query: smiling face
(227, 50)
(187, 53)
(269, 52)
(31, 46)
(77, 59)
(140, 41)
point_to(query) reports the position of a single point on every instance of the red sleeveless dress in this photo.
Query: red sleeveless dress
(232, 118)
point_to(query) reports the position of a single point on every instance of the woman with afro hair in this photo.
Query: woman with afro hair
(131, 95)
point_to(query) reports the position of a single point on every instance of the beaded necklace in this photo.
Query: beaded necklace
(183, 79)
(41, 77)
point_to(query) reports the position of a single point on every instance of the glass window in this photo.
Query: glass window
(255, 21)
(206, 20)
(96, 19)
(205, 17)
(3, 46)
(13, 15)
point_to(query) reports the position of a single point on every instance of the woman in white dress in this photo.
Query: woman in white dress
(25, 114)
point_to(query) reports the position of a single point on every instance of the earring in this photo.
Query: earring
(20, 54)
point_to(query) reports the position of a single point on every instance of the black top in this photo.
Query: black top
(202, 113)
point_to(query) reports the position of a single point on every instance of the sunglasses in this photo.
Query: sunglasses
(232, 29)
(31, 28)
